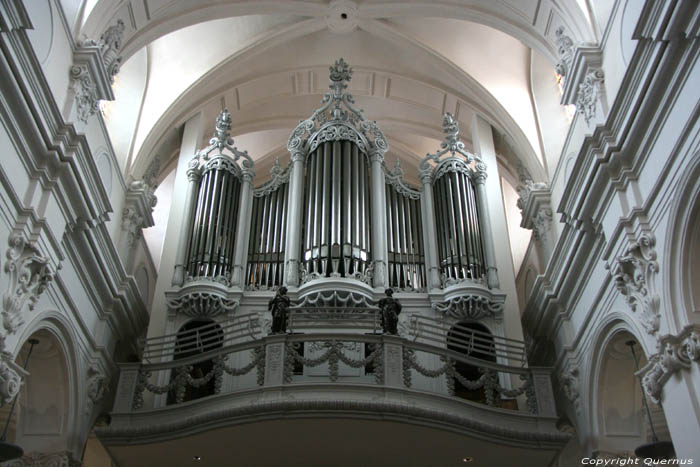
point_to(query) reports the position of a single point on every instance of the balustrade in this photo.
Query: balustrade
(302, 359)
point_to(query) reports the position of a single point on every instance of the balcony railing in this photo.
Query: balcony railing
(332, 358)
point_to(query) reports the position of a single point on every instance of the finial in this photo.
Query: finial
(340, 72)
(451, 130)
(223, 126)
(276, 167)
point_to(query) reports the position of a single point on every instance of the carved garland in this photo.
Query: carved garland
(202, 304)
(395, 178)
(470, 306)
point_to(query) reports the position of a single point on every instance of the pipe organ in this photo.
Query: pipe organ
(268, 231)
(337, 203)
(457, 222)
(336, 211)
(210, 251)
(406, 260)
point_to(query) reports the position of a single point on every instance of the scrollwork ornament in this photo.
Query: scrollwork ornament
(588, 92)
(635, 277)
(86, 100)
(10, 380)
(29, 275)
(41, 459)
(337, 119)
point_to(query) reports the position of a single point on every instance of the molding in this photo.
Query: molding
(143, 433)
(203, 297)
(95, 64)
(13, 16)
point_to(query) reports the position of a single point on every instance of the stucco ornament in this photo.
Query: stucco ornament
(676, 352)
(10, 379)
(40, 459)
(86, 100)
(111, 45)
(29, 275)
(96, 387)
(565, 51)
(570, 382)
(635, 277)
(588, 93)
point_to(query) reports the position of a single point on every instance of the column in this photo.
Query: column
(296, 194)
(379, 247)
(429, 232)
(191, 139)
(485, 225)
(494, 226)
(193, 176)
(240, 255)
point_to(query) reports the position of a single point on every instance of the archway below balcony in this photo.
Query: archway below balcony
(476, 341)
(193, 338)
(43, 412)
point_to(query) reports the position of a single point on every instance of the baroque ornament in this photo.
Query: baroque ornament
(132, 222)
(675, 353)
(337, 119)
(588, 92)
(29, 275)
(471, 164)
(565, 51)
(96, 386)
(10, 379)
(635, 278)
(570, 383)
(40, 459)
(470, 306)
(198, 304)
(86, 100)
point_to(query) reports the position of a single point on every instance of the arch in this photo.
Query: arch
(49, 401)
(474, 340)
(180, 14)
(681, 296)
(614, 323)
(194, 337)
(624, 417)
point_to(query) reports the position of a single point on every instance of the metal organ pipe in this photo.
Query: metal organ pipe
(210, 249)
(457, 219)
(336, 236)
(406, 260)
(267, 237)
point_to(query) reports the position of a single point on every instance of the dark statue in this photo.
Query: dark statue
(278, 306)
(390, 308)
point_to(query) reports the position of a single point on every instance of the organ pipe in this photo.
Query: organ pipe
(210, 249)
(406, 261)
(337, 229)
(267, 239)
(460, 247)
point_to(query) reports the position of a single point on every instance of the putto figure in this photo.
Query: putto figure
(390, 308)
(278, 306)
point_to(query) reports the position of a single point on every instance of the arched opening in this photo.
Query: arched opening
(475, 341)
(195, 337)
(42, 412)
(625, 416)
